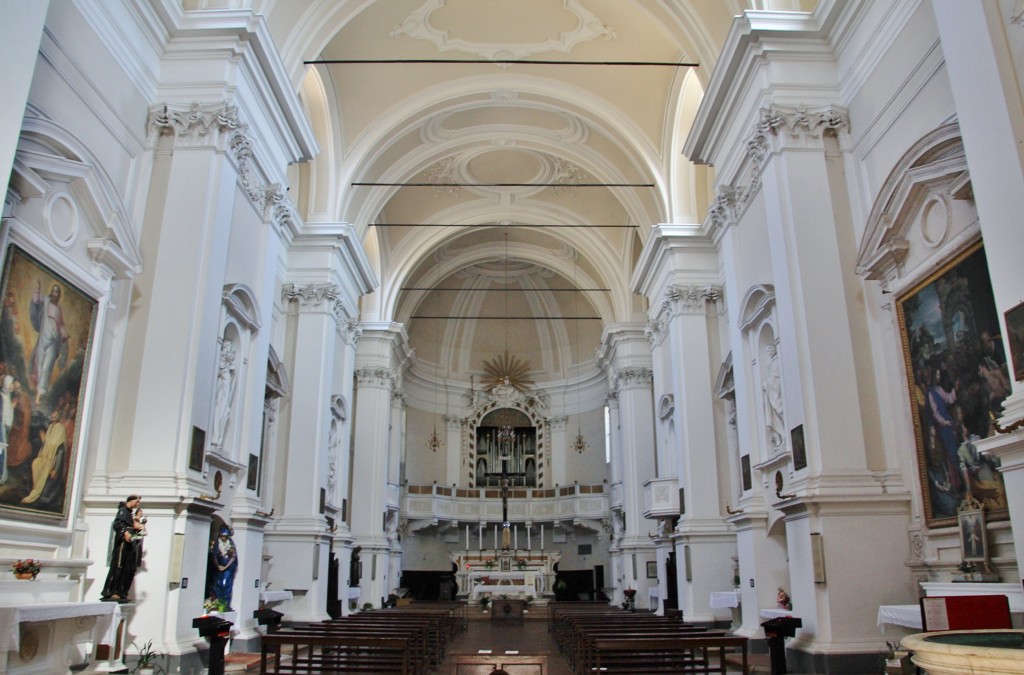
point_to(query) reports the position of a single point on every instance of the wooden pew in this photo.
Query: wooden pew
(665, 655)
(287, 653)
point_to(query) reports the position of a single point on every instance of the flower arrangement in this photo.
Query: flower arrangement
(782, 599)
(520, 563)
(215, 605)
(26, 567)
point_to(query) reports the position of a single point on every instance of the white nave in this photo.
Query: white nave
(714, 303)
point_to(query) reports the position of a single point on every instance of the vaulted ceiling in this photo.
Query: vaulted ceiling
(411, 153)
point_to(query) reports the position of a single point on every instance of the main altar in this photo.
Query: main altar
(509, 573)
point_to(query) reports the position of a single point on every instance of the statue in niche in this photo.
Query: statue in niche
(772, 388)
(226, 373)
(224, 564)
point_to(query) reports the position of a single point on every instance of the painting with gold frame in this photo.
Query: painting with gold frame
(46, 329)
(957, 377)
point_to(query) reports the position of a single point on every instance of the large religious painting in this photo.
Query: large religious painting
(956, 369)
(46, 327)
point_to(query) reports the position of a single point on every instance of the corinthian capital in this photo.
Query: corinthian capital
(379, 377)
(315, 298)
(633, 378)
(198, 125)
(793, 126)
(690, 299)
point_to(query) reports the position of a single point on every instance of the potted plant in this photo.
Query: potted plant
(484, 602)
(489, 564)
(520, 564)
(148, 660)
(26, 569)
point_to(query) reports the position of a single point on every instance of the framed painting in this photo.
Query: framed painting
(652, 569)
(796, 435)
(46, 329)
(957, 376)
(197, 449)
(973, 545)
(1015, 336)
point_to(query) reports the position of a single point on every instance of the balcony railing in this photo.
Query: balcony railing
(537, 505)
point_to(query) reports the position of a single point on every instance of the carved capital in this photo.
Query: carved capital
(655, 332)
(633, 378)
(690, 299)
(380, 377)
(728, 205)
(351, 330)
(315, 299)
(792, 126)
(611, 399)
(198, 126)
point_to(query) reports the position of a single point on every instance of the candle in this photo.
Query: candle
(515, 537)
(495, 537)
(467, 536)
(542, 536)
(528, 547)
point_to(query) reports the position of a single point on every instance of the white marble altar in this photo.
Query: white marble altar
(49, 637)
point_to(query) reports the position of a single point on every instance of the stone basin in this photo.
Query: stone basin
(955, 652)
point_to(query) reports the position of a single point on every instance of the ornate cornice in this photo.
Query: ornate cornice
(381, 377)
(317, 299)
(633, 378)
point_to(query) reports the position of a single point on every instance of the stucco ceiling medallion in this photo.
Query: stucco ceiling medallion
(418, 25)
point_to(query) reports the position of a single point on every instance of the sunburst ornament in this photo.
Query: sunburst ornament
(507, 370)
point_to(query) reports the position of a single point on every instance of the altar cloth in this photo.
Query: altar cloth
(725, 599)
(900, 615)
(104, 630)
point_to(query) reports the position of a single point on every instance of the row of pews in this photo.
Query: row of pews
(407, 640)
(596, 638)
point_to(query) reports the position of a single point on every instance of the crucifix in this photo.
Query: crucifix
(504, 476)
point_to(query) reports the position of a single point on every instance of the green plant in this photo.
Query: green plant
(367, 606)
(215, 605)
(148, 658)
(489, 564)
(484, 601)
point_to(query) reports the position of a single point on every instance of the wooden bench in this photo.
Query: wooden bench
(421, 658)
(286, 653)
(665, 655)
(584, 652)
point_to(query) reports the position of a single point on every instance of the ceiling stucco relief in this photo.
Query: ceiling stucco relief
(472, 26)
(523, 120)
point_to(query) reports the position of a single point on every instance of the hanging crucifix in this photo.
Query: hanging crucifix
(504, 476)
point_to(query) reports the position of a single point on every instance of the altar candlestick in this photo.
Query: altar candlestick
(480, 534)
(467, 537)
(495, 537)
(515, 538)
(528, 528)
(542, 536)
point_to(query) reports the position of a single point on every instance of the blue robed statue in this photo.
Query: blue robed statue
(224, 560)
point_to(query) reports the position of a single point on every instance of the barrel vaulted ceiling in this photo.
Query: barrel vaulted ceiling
(444, 251)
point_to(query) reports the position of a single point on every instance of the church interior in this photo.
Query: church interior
(703, 308)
